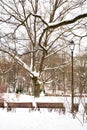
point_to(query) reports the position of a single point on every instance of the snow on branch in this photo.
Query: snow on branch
(24, 65)
(63, 23)
(56, 25)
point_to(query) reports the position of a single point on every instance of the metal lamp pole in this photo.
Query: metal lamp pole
(72, 45)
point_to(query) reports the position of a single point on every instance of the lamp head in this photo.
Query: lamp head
(72, 45)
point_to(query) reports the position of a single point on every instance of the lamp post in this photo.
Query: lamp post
(72, 46)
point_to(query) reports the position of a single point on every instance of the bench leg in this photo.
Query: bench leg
(63, 110)
(9, 109)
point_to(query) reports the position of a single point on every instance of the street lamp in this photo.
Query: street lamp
(72, 46)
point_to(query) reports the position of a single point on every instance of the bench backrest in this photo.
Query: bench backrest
(19, 104)
(49, 105)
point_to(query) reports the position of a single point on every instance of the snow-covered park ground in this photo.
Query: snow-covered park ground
(22, 119)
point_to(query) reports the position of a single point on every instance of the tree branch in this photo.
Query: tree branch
(50, 25)
(63, 23)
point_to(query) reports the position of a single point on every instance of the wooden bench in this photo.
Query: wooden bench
(50, 106)
(11, 105)
(76, 107)
(85, 108)
(1, 103)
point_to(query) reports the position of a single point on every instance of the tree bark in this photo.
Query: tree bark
(36, 87)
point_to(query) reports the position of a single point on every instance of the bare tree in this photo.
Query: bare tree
(39, 29)
(81, 73)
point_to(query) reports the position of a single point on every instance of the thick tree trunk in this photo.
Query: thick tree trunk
(36, 87)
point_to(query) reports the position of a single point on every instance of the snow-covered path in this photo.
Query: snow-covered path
(34, 120)
(22, 119)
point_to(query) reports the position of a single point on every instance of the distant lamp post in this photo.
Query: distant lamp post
(72, 46)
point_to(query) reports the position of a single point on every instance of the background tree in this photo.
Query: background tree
(81, 73)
